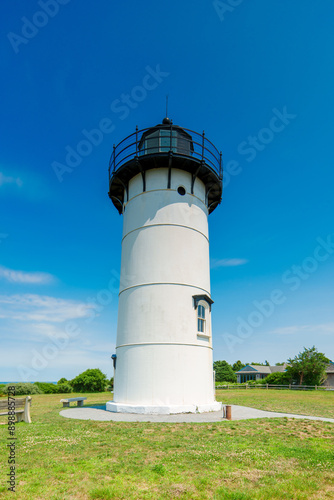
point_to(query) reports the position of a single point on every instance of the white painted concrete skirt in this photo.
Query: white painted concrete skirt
(162, 410)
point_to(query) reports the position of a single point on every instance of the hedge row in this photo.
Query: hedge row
(92, 380)
(23, 388)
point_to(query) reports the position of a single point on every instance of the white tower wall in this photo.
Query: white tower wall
(164, 365)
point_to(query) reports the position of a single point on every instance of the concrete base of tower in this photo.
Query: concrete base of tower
(163, 409)
(215, 406)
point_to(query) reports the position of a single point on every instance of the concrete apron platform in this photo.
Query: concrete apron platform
(162, 409)
(238, 413)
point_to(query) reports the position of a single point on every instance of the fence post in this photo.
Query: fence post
(246, 386)
(289, 386)
(316, 387)
(267, 386)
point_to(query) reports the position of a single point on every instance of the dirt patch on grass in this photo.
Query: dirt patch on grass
(327, 492)
(177, 490)
(250, 475)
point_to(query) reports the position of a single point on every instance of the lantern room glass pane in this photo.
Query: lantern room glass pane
(183, 145)
(152, 143)
(160, 141)
(165, 142)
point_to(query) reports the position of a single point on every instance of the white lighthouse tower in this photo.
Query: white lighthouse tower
(165, 181)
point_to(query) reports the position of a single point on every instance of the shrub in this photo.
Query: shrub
(23, 388)
(63, 380)
(224, 371)
(92, 380)
(256, 382)
(277, 378)
(64, 388)
(225, 382)
(47, 388)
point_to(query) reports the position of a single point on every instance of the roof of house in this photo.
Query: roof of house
(330, 368)
(262, 369)
(273, 369)
(280, 368)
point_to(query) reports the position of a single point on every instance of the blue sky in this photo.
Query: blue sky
(257, 77)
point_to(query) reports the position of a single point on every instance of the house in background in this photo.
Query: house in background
(330, 375)
(257, 372)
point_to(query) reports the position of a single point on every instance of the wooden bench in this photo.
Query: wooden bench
(66, 402)
(22, 408)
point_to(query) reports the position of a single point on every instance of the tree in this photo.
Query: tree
(64, 388)
(308, 367)
(63, 380)
(47, 388)
(266, 363)
(224, 372)
(237, 366)
(92, 380)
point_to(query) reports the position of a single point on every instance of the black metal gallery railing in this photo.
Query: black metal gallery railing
(165, 140)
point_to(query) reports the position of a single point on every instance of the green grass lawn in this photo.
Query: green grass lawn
(316, 403)
(59, 458)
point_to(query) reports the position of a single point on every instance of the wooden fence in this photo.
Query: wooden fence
(271, 386)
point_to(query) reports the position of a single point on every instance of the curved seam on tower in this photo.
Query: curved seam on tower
(172, 190)
(165, 224)
(164, 283)
(163, 343)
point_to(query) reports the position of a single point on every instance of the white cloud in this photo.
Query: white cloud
(42, 309)
(14, 276)
(43, 330)
(38, 345)
(4, 179)
(68, 362)
(324, 328)
(227, 262)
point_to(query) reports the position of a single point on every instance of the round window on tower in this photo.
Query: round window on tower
(181, 190)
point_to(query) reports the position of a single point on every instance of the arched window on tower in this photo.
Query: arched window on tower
(202, 305)
(201, 322)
